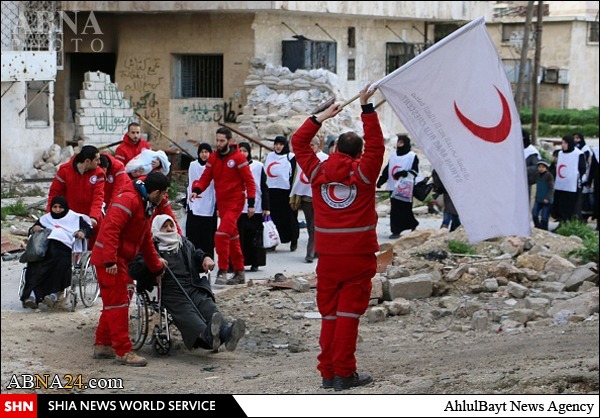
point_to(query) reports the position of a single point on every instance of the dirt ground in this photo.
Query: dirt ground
(278, 354)
(416, 353)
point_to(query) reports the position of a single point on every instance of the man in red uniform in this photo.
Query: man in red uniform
(125, 232)
(116, 177)
(132, 144)
(230, 170)
(343, 189)
(81, 182)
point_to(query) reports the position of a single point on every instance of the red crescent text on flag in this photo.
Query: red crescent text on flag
(304, 179)
(394, 168)
(269, 167)
(559, 171)
(495, 134)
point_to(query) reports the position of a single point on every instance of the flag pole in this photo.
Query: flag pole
(346, 103)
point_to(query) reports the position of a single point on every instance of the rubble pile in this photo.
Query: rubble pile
(52, 158)
(511, 283)
(280, 100)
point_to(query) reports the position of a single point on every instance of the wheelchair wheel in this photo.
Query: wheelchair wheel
(72, 295)
(162, 344)
(138, 319)
(88, 284)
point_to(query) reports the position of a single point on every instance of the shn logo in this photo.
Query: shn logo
(18, 405)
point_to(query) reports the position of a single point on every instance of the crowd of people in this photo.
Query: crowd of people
(120, 204)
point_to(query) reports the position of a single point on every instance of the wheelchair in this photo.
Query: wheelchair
(84, 282)
(144, 308)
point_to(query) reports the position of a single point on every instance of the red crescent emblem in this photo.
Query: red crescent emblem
(495, 134)
(304, 179)
(394, 168)
(269, 170)
(560, 167)
(331, 193)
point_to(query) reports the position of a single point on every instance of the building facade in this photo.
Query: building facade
(182, 68)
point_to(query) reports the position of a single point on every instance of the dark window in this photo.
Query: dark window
(592, 31)
(198, 76)
(441, 30)
(351, 37)
(399, 53)
(38, 98)
(351, 69)
(306, 54)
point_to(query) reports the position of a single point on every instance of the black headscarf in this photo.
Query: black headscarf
(248, 148)
(526, 139)
(581, 142)
(63, 203)
(570, 143)
(286, 146)
(405, 149)
(203, 146)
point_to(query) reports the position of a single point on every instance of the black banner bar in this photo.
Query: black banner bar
(91, 406)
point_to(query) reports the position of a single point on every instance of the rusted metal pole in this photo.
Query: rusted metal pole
(164, 134)
(257, 142)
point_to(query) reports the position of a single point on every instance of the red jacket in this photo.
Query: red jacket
(163, 208)
(84, 192)
(125, 231)
(116, 178)
(232, 177)
(127, 150)
(343, 190)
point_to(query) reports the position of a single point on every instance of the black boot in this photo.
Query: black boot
(232, 333)
(216, 323)
(354, 380)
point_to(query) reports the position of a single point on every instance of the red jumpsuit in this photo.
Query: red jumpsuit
(124, 233)
(84, 192)
(345, 238)
(127, 150)
(116, 178)
(163, 208)
(233, 184)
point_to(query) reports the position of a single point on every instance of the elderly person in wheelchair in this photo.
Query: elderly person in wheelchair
(185, 293)
(47, 278)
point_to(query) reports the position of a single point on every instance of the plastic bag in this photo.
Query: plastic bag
(403, 189)
(270, 234)
(37, 245)
(142, 163)
(422, 189)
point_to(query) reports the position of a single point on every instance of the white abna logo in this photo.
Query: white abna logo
(230, 163)
(337, 195)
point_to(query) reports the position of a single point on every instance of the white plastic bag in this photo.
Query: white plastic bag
(403, 189)
(142, 163)
(270, 234)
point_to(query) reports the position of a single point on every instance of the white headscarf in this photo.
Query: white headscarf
(167, 241)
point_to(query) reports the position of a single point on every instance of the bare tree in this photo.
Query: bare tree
(536, 71)
(524, 52)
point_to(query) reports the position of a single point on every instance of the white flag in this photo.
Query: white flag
(456, 102)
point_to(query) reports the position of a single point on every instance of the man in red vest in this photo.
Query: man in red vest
(132, 144)
(81, 182)
(234, 183)
(343, 189)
